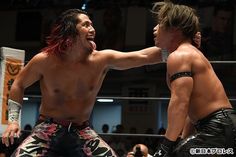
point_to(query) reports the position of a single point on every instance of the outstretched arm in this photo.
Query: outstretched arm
(153, 55)
(126, 60)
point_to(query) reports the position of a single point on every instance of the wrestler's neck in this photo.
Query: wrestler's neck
(177, 43)
(77, 54)
(176, 38)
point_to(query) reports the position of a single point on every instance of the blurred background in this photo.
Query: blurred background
(135, 100)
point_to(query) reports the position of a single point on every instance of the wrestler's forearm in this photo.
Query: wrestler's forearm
(154, 55)
(17, 93)
(177, 113)
(122, 61)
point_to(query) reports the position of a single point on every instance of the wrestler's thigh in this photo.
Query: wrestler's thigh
(37, 143)
(94, 145)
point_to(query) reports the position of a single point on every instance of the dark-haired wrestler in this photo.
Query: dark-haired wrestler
(199, 109)
(71, 73)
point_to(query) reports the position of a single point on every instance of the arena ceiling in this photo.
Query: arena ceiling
(39, 4)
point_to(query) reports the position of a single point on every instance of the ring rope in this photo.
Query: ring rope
(143, 98)
(125, 98)
(127, 134)
(116, 134)
(224, 62)
(132, 98)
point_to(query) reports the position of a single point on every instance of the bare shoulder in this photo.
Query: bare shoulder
(181, 60)
(40, 60)
(36, 66)
(105, 54)
(178, 57)
(186, 53)
(39, 57)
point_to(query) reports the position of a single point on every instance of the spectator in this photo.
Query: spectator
(139, 150)
(105, 128)
(113, 35)
(119, 129)
(217, 40)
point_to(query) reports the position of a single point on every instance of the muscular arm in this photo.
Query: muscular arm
(125, 60)
(181, 89)
(28, 75)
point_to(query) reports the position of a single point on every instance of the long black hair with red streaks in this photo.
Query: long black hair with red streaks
(63, 32)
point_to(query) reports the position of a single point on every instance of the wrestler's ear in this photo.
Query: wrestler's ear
(197, 39)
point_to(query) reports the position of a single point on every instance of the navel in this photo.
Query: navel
(91, 88)
(56, 91)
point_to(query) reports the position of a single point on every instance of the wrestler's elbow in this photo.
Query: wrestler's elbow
(17, 88)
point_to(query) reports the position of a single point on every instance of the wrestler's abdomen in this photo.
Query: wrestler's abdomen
(72, 95)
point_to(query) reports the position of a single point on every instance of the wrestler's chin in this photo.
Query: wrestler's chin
(89, 50)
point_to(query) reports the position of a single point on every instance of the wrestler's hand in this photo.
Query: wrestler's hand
(197, 39)
(9, 134)
(164, 148)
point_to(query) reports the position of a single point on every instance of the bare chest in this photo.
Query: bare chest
(73, 82)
